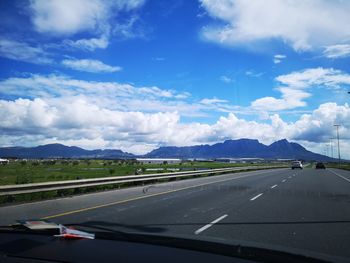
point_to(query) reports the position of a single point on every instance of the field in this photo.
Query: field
(344, 166)
(22, 172)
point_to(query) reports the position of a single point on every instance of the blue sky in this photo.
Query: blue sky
(140, 74)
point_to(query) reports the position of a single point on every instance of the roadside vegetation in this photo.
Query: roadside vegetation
(344, 166)
(35, 171)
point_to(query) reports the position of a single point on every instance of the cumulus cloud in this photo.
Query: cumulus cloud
(76, 119)
(22, 51)
(318, 126)
(89, 65)
(114, 95)
(294, 86)
(290, 99)
(304, 25)
(337, 51)
(79, 122)
(66, 18)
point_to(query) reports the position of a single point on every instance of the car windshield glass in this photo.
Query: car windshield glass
(226, 120)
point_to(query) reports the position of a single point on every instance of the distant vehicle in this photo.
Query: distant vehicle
(320, 165)
(296, 164)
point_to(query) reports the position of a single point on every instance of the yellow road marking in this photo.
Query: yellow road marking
(140, 197)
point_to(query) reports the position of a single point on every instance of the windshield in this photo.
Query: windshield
(199, 119)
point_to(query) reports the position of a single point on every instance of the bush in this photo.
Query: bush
(22, 179)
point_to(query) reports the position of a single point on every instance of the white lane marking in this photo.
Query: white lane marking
(283, 181)
(289, 177)
(255, 197)
(273, 186)
(346, 179)
(209, 225)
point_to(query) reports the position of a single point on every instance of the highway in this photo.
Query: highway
(301, 209)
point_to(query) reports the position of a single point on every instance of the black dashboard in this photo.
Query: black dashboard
(41, 248)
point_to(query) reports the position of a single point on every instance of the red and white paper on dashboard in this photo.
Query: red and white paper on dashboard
(73, 233)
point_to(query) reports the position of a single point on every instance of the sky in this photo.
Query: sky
(139, 74)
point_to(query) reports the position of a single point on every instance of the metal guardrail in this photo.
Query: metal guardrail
(72, 184)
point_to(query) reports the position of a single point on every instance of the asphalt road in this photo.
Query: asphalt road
(300, 209)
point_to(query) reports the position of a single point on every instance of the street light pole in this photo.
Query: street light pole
(337, 126)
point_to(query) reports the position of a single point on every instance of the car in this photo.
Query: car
(296, 164)
(320, 165)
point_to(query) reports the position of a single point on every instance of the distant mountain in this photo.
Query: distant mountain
(242, 148)
(61, 151)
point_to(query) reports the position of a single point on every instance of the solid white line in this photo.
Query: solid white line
(346, 179)
(255, 197)
(273, 186)
(284, 180)
(209, 225)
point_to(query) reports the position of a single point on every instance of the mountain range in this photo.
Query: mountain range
(242, 148)
(61, 151)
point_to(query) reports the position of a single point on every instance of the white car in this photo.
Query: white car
(297, 164)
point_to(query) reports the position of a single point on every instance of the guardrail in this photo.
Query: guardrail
(72, 184)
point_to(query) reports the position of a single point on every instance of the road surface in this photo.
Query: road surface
(301, 209)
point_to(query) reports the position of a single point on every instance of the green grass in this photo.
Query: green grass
(343, 166)
(33, 171)
(45, 171)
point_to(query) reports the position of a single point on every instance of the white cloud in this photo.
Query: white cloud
(78, 119)
(89, 65)
(116, 96)
(68, 16)
(304, 25)
(23, 52)
(130, 29)
(318, 126)
(294, 85)
(315, 76)
(278, 58)
(291, 99)
(226, 79)
(252, 73)
(79, 122)
(337, 51)
(212, 101)
(89, 44)
(98, 18)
